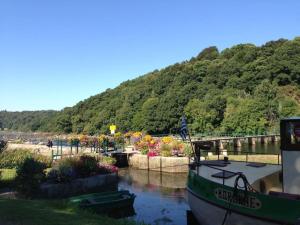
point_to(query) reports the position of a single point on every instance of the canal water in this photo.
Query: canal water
(269, 148)
(161, 198)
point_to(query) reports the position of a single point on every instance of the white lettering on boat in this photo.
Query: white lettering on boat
(240, 199)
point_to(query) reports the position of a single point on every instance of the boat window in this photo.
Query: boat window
(218, 163)
(224, 174)
(254, 164)
(290, 135)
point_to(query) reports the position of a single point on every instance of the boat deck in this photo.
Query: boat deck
(252, 173)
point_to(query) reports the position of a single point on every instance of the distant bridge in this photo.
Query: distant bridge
(237, 141)
(33, 137)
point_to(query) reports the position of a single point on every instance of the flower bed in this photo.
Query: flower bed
(76, 175)
(68, 169)
(144, 143)
(102, 141)
(166, 146)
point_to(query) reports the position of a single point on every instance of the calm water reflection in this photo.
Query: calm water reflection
(161, 197)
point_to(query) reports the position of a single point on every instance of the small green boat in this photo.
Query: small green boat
(105, 201)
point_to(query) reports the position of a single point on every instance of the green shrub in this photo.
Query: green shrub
(188, 151)
(66, 174)
(62, 175)
(67, 169)
(144, 151)
(3, 145)
(66, 162)
(63, 171)
(7, 174)
(52, 175)
(107, 160)
(13, 158)
(86, 166)
(7, 178)
(43, 159)
(30, 174)
(165, 150)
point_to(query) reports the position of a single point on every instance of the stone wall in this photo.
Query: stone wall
(80, 186)
(159, 163)
(141, 178)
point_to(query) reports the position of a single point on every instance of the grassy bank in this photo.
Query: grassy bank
(42, 212)
(7, 177)
(45, 212)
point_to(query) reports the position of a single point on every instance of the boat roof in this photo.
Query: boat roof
(252, 173)
(291, 118)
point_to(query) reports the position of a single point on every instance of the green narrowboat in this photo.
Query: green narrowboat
(241, 193)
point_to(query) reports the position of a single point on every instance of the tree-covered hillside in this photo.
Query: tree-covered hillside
(241, 89)
(26, 120)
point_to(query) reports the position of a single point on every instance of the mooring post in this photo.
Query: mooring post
(274, 138)
(160, 178)
(148, 162)
(61, 148)
(251, 141)
(219, 145)
(264, 140)
(160, 164)
(237, 142)
(57, 144)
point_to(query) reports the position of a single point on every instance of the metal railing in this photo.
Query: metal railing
(219, 153)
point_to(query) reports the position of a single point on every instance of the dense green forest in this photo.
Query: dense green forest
(26, 120)
(242, 89)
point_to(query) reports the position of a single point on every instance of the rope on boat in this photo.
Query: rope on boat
(247, 188)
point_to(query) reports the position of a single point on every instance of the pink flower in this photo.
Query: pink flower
(152, 153)
(112, 169)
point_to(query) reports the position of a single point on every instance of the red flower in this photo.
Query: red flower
(152, 153)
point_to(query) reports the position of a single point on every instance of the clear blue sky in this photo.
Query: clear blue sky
(55, 53)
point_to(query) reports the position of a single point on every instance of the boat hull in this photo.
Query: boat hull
(105, 202)
(79, 198)
(210, 201)
(209, 214)
(108, 206)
